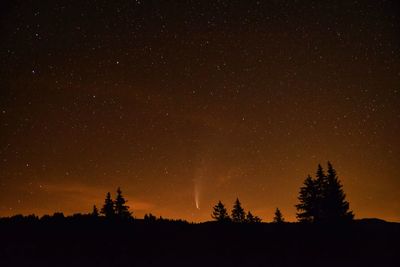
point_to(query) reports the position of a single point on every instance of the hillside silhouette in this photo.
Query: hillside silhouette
(326, 235)
(88, 241)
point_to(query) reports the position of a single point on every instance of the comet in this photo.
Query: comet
(197, 194)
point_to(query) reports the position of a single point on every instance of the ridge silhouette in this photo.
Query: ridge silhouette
(326, 235)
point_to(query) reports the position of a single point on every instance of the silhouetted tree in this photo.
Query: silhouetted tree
(45, 218)
(108, 207)
(323, 199)
(149, 217)
(320, 174)
(121, 210)
(95, 212)
(57, 217)
(238, 214)
(219, 213)
(32, 218)
(278, 218)
(308, 198)
(334, 206)
(320, 186)
(250, 218)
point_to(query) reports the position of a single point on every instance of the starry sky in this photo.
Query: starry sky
(184, 103)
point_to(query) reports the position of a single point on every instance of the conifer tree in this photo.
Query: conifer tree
(334, 205)
(278, 218)
(308, 200)
(323, 199)
(219, 213)
(249, 217)
(238, 214)
(320, 174)
(320, 184)
(150, 218)
(95, 212)
(257, 219)
(108, 207)
(121, 209)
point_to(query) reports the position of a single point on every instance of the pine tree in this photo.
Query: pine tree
(323, 199)
(249, 217)
(121, 210)
(278, 216)
(108, 207)
(219, 213)
(150, 218)
(238, 214)
(334, 205)
(257, 219)
(320, 188)
(95, 212)
(308, 200)
(320, 174)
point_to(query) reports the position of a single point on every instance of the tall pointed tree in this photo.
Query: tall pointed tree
(320, 187)
(219, 213)
(150, 218)
(323, 199)
(334, 203)
(121, 209)
(238, 214)
(95, 212)
(278, 218)
(257, 219)
(250, 218)
(307, 208)
(108, 207)
(320, 174)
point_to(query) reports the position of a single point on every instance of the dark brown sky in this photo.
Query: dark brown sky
(223, 99)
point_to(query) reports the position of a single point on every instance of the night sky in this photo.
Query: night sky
(178, 101)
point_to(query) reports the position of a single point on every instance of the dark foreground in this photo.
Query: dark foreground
(363, 243)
